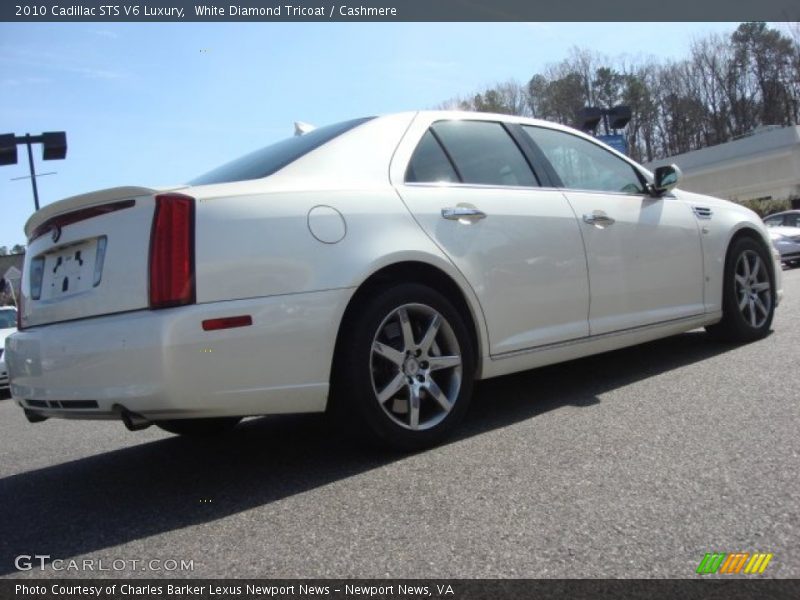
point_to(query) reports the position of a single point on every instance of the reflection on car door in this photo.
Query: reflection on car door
(518, 245)
(644, 253)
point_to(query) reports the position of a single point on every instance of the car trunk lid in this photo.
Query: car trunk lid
(88, 256)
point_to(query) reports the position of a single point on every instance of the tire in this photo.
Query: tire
(404, 369)
(748, 294)
(199, 427)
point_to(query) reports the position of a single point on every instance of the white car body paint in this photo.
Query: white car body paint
(275, 249)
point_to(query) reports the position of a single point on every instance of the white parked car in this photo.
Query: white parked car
(784, 229)
(787, 243)
(8, 325)
(377, 268)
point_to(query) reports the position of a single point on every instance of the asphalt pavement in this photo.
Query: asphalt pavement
(630, 464)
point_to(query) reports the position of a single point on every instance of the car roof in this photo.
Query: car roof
(472, 115)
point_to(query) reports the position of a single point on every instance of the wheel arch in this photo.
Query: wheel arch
(734, 326)
(416, 271)
(747, 231)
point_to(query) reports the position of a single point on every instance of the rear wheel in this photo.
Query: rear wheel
(748, 298)
(405, 369)
(199, 427)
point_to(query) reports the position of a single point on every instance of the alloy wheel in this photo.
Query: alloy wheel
(753, 289)
(416, 367)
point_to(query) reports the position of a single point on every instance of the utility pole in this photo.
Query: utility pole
(33, 171)
(54, 147)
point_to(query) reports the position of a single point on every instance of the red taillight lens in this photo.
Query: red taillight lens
(172, 252)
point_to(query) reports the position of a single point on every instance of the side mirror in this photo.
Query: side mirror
(665, 179)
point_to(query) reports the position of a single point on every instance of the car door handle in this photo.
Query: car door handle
(599, 219)
(465, 213)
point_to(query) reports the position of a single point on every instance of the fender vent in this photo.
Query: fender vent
(702, 212)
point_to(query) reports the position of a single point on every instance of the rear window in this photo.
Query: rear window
(267, 161)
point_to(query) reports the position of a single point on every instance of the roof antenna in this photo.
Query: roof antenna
(301, 128)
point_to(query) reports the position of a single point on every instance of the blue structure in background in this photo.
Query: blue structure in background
(616, 141)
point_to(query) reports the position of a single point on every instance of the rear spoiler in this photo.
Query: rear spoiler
(87, 200)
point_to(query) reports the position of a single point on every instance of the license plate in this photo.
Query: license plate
(72, 269)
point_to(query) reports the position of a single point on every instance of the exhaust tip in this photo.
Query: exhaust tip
(33, 417)
(134, 421)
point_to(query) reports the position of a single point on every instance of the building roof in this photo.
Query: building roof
(762, 165)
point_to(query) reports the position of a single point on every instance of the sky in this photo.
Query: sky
(157, 104)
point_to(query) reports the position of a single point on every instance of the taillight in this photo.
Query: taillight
(172, 252)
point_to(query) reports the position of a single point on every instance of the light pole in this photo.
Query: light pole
(54, 147)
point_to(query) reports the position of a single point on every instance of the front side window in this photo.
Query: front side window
(773, 221)
(584, 165)
(792, 220)
(484, 153)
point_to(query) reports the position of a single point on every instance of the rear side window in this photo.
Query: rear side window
(430, 163)
(267, 161)
(484, 153)
(774, 221)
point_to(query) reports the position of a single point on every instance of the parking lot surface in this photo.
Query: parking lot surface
(629, 464)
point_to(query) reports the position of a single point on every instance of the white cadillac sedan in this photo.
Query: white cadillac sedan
(374, 268)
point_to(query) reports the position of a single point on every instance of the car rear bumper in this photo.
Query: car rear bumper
(163, 365)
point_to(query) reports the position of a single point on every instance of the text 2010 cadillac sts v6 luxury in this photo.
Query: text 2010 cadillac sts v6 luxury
(375, 267)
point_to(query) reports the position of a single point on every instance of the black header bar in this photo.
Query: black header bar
(734, 588)
(398, 10)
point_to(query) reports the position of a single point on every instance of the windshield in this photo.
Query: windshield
(267, 161)
(8, 318)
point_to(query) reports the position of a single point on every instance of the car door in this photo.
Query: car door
(474, 192)
(644, 253)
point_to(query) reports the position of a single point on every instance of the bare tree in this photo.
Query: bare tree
(726, 87)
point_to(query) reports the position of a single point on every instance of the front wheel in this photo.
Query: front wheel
(748, 298)
(405, 369)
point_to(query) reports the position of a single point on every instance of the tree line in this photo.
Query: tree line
(728, 86)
